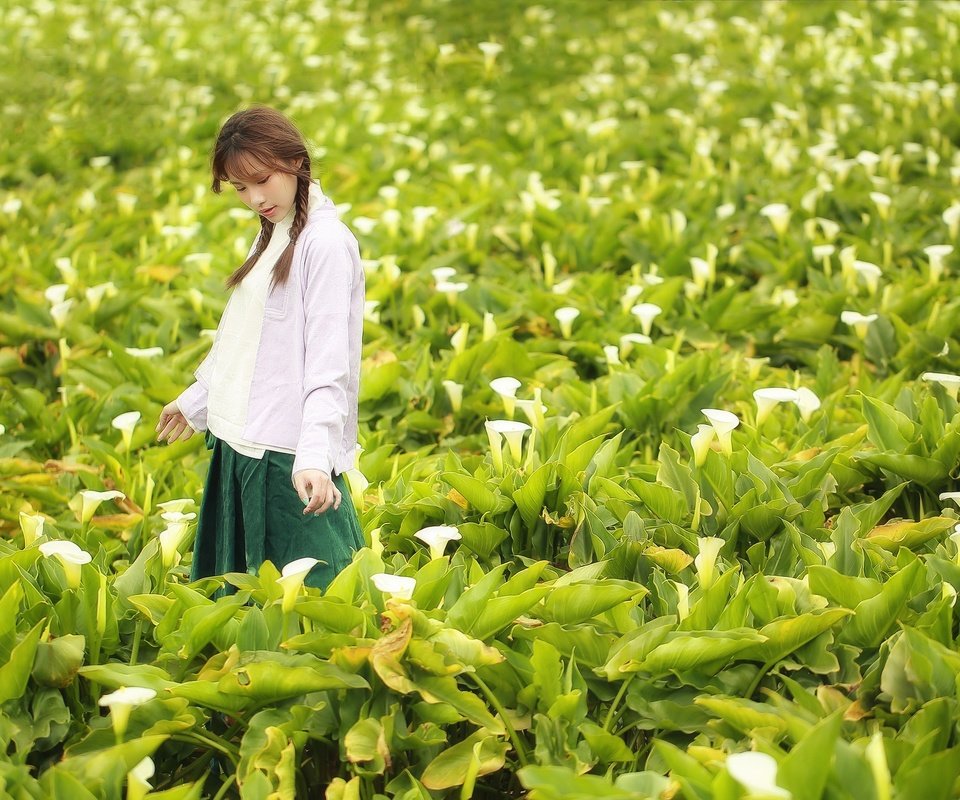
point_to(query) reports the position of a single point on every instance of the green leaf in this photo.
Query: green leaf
(484, 500)
(875, 616)
(784, 636)
(529, 497)
(479, 753)
(910, 534)
(700, 650)
(815, 748)
(584, 600)
(58, 660)
(16, 672)
(887, 428)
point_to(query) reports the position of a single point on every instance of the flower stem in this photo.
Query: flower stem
(493, 701)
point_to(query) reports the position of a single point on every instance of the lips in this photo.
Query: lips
(269, 211)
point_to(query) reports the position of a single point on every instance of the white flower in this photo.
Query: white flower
(146, 352)
(398, 586)
(756, 772)
(754, 365)
(490, 52)
(706, 560)
(420, 216)
(56, 293)
(451, 290)
(882, 203)
(565, 316)
(170, 540)
(612, 354)
(32, 527)
(703, 272)
(646, 313)
(126, 202)
(779, 216)
(725, 211)
(70, 556)
(936, 253)
(723, 423)
(507, 389)
(870, 273)
(442, 274)
(176, 505)
(628, 340)
(122, 701)
(528, 407)
(138, 779)
(454, 393)
(955, 496)
(95, 294)
(767, 398)
(859, 322)
(948, 381)
(489, 326)
(510, 430)
(125, 423)
(808, 402)
(436, 537)
(291, 580)
(701, 441)
(951, 216)
(90, 501)
(822, 252)
(459, 339)
(60, 311)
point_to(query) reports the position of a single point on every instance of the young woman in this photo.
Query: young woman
(277, 394)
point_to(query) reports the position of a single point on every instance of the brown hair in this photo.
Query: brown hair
(250, 140)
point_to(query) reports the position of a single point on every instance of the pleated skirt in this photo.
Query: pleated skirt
(251, 513)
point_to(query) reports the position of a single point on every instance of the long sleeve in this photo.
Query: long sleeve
(192, 401)
(330, 276)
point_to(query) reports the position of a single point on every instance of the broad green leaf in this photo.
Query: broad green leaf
(529, 497)
(784, 636)
(844, 590)
(58, 660)
(269, 681)
(15, 674)
(483, 499)
(581, 601)
(451, 767)
(701, 650)
(922, 470)
(888, 428)
(910, 534)
(815, 748)
(875, 616)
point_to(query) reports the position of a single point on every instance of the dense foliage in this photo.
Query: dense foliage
(660, 322)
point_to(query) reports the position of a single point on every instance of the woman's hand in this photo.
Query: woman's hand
(173, 426)
(316, 490)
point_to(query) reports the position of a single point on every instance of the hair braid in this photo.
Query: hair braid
(281, 269)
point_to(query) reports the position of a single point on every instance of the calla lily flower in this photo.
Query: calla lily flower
(70, 555)
(948, 381)
(808, 402)
(723, 423)
(454, 393)
(451, 290)
(870, 273)
(779, 216)
(757, 773)
(357, 483)
(703, 272)
(822, 253)
(706, 559)
(442, 274)
(146, 352)
(883, 203)
(646, 313)
(176, 505)
(631, 293)
(436, 537)
(507, 389)
(767, 398)
(126, 203)
(489, 326)
(291, 580)
(397, 586)
(952, 219)
(170, 540)
(371, 310)
(955, 538)
(565, 316)
(420, 216)
(612, 353)
(32, 527)
(490, 52)
(459, 340)
(95, 294)
(65, 265)
(628, 340)
(60, 311)
(859, 322)
(683, 599)
(936, 253)
(754, 365)
(56, 293)
(138, 779)
(563, 287)
(122, 702)
(91, 500)
(125, 423)
(549, 265)
(419, 316)
(701, 441)
(527, 407)
(510, 430)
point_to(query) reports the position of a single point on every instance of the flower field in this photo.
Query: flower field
(658, 410)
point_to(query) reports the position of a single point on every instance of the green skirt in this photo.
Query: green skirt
(251, 513)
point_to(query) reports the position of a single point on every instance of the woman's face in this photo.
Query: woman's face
(269, 192)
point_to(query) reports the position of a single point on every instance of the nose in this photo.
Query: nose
(257, 199)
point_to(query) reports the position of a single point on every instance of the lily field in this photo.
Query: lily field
(658, 406)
